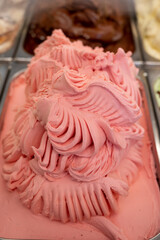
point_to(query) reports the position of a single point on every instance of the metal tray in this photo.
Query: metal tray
(137, 55)
(151, 123)
(148, 58)
(21, 54)
(17, 68)
(156, 237)
(153, 72)
(3, 75)
(7, 56)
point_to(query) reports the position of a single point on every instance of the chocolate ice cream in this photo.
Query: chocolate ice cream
(96, 23)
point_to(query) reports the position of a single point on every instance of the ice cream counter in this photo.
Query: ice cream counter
(133, 25)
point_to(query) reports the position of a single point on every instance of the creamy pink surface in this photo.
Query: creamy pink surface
(78, 150)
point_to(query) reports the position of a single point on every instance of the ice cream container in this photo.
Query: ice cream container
(147, 19)
(18, 68)
(156, 237)
(12, 15)
(22, 53)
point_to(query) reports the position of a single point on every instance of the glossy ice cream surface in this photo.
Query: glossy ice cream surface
(77, 154)
(97, 23)
(149, 24)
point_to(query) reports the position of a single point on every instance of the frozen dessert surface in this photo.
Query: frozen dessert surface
(96, 23)
(149, 24)
(77, 151)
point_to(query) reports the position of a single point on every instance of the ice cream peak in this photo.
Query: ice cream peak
(77, 128)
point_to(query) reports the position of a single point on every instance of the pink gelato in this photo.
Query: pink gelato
(77, 153)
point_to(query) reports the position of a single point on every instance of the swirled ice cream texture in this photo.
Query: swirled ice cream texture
(77, 129)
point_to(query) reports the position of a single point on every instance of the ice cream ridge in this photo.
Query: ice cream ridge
(78, 151)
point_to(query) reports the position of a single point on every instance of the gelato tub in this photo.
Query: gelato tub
(148, 14)
(96, 23)
(55, 172)
(11, 20)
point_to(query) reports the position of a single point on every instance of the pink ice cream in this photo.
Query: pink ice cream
(77, 151)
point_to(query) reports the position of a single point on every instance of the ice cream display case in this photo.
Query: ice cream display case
(103, 23)
(18, 68)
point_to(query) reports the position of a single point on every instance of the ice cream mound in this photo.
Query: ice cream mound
(77, 151)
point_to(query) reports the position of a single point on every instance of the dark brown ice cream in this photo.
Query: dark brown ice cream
(102, 23)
